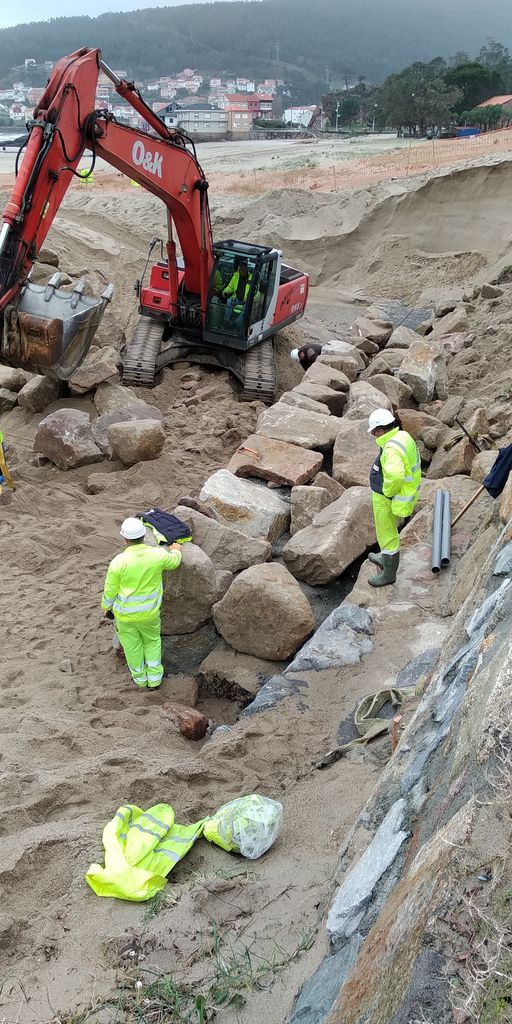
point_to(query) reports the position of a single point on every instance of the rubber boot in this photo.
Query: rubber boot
(388, 575)
(376, 559)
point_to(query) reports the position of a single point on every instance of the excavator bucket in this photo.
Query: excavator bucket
(49, 330)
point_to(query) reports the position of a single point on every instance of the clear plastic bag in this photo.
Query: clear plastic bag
(248, 825)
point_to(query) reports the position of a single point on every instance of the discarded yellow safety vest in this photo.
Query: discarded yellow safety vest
(141, 848)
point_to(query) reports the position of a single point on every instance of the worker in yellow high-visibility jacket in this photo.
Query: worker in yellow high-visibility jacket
(133, 595)
(395, 480)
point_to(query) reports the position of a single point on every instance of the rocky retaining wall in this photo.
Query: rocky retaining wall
(437, 835)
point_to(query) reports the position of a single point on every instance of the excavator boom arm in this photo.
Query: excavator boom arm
(66, 123)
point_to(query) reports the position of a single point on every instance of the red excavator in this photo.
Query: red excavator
(184, 311)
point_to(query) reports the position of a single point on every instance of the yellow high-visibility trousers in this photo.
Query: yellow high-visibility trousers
(386, 524)
(142, 645)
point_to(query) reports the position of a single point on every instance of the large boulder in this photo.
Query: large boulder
(334, 488)
(451, 409)
(424, 370)
(246, 505)
(398, 393)
(386, 362)
(452, 323)
(320, 373)
(229, 549)
(277, 461)
(189, 592)
(8, 400)
(297, 426)
(482, 465)
(365, 346)
(457, 460)
(334, 401)
(378, 331)
(102, 424)
(301, 401)
(346, 364)
(117, 398)
(38, 393)
(363, 398)
(265, 613)
(65, 438)
(354, 453)
(338, 349)
(48, 256)
(490, 291)
(414, 421)
(337, 536)
(305, 503)
(445, 306)
(402, 337)
(136, 441)
(99, 366)
(12, 379)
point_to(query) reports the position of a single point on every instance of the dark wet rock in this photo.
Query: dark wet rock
(272, 693)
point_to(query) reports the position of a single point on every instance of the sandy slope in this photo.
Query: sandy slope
(76, 740)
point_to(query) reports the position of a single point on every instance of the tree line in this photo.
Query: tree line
(426, 97)
(313, 47)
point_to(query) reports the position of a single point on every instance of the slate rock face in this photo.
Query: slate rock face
(342, 639)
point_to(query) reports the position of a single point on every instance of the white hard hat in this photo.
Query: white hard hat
(380, 418)
(133, 529)
(294, 354)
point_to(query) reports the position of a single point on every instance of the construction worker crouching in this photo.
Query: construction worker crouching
(133, 595)
(306, 355)
(395, 479)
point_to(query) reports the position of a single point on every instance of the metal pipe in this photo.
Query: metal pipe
(436, 532)
(446, 530)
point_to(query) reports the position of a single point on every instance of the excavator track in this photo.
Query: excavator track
(139, 364)
(146, 354)
(260, 376)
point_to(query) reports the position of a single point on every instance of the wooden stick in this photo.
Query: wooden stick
(469, 504)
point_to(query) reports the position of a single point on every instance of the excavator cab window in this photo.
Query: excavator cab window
(233, 286)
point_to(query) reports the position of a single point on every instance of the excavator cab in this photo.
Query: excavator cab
(243, 294)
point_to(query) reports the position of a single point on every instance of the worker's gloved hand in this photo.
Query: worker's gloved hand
(109, 615)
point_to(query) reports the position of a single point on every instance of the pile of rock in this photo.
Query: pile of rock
(296, 489)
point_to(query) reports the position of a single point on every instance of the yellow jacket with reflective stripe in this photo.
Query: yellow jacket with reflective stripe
(133, 585)
(141, 848)
(231, 288)
(401, 470)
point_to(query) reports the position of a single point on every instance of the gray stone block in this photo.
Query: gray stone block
(355, 892)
